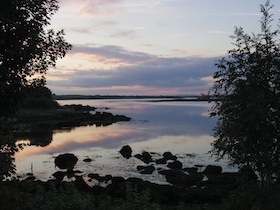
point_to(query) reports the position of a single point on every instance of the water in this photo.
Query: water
(184, 128)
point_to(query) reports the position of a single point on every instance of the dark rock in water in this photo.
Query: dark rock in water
(87, 160)
(179, 178)
(138, 156)
(146, 157)
(191, 170)
(146, 169)
(210, 169)
(59, 175)
(161, 161)
(66, 161)
(126, 151)
(169, 156)
(175, 165)
(171, 172)
(248, 173)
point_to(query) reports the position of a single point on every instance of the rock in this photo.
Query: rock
(126, 151)
(167, 155)
(66, 161)
(161, 161)
(211, 169)
(171, 172)
(191, 170)
(138, 156)
(175, 165)
(59, 175)
(87, 160)
(178, 178)
(146, 157)
(146, 169)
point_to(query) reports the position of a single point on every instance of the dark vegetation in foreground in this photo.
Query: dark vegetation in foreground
(129, 194)
(187, 189)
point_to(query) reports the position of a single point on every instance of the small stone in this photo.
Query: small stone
(175, 165)
(126, 151)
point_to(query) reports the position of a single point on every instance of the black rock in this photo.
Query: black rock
(191, 170)
(87, 160)
(210, 169)
(138, 156)
(178, 178)
(126, 151)
(169, 156)
(161, 161)
(59, 175)
(66, 161)
(146, 169)
(146, 157)
(175, 165)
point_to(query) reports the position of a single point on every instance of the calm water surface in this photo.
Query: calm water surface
(184, 128)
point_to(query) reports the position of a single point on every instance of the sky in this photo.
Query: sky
(147, 47)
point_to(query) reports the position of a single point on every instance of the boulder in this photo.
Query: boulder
(126, 151)
(175, 165)
(169, 156)
(59, 175)
(66, 161)
(146, 157)
(190, 170)
(161, 161)
(146, 169)
(87, 160)
(211, 169)
(178, 178)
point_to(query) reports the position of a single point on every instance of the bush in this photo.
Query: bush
(253, 196)
(39, 103)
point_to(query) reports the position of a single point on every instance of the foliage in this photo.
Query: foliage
(251, 196)
(32, 195)
(38, 98)
(248, 86)
(7, 148)
(27, 48)
(134, 199)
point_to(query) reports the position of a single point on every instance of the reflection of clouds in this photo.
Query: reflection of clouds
(171, 123)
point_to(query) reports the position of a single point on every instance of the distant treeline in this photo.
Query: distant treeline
(175, 98)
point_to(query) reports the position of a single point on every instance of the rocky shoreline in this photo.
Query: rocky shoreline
(67, 116)
(187, 185)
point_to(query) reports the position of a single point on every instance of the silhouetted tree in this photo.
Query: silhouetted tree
(248, 86)
(27, 48)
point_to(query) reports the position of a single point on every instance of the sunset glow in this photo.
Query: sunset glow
(149, 47)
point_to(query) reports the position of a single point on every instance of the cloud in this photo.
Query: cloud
(92, 8)
(128, 33)
(142, 71)
(217, 32)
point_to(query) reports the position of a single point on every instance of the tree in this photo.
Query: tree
(247, 85)
(27, 48)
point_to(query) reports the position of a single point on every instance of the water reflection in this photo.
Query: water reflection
(182, 127)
